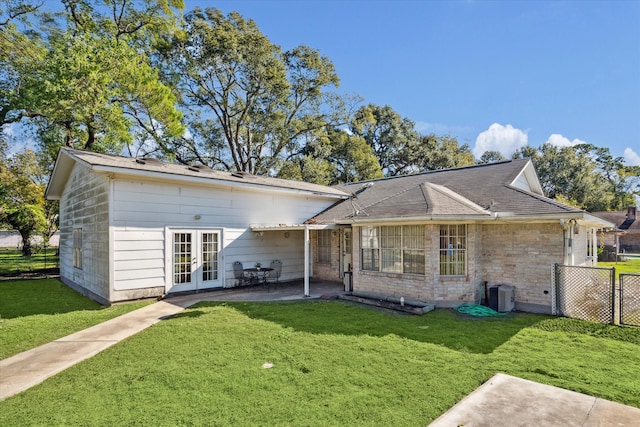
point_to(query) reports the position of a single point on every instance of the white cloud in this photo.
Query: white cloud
(504, 139)
(561, 141)
(631, 158)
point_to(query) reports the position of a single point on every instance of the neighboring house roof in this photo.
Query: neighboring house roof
(626, 221)
(148, 167)
(508, 190)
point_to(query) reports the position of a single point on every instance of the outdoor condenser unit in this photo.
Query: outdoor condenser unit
(506, 298)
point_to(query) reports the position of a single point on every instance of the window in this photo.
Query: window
(453, 250)
(395, 249)
(77, 248)
(323, 245)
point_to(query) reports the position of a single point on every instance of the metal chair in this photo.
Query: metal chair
(239, 274)
(274, 275)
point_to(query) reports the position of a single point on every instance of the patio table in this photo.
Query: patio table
(260, 273)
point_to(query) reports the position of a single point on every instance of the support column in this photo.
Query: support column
(306, 261)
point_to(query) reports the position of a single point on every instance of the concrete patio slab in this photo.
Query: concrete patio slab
(510, 401)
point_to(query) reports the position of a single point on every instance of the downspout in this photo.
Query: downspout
(594, 247)
(306, 261)
(567, 233)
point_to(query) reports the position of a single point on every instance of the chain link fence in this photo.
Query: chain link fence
(586, 293)
(630, 299)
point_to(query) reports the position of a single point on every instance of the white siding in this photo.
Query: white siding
(84, 204)
(143, 210)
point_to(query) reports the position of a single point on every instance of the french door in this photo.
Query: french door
(195, 260)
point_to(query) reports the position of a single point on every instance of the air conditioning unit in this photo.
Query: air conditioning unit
(506, 298)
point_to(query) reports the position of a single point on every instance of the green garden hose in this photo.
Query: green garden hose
(478, 310)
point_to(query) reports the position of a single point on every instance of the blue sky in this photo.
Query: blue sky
(495, 74)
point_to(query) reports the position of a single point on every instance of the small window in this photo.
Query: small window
(453, 250)
(77, 248)
(323, 246)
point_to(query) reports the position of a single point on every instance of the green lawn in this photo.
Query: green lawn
(632, 265)
(36, 311)
(12, 261)
(334, 363)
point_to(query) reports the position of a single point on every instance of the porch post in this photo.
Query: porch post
(306, 261)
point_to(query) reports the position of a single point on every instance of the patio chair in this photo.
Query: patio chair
(240, 275)
(274, 275)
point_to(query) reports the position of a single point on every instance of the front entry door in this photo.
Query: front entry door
(195, 260)
(345, 259)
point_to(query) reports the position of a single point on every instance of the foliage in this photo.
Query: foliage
(491, 157)
(249, 104)
(442, 152)
(22, 204)
(584, 176)
(349, 365)
(35, 312)
(392, 137)
(90, 85)
(339, 158)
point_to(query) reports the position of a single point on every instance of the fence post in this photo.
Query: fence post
(555, 291)
(613, 295)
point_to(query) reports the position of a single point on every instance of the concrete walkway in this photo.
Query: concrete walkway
(509, 401)
(29, 368)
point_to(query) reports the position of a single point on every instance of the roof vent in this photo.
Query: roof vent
(145, 160)
(193, 168)
(241, 174)
(364, 187)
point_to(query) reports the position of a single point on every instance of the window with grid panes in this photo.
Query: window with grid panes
(398, 249)
(453, 250)
(77, 248)
(323, 245)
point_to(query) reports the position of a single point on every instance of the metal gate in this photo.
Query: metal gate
(630, 299)
(586, 293)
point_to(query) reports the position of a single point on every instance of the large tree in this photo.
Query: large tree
(437, 152)
(584, 175)
(249, 105)
(338, 158)
(22, 204)
(393, 138)
(91, 84)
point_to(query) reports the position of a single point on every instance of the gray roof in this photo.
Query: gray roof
(474, 192)
(119, 164)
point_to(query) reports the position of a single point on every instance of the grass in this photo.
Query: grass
(12, 261)
(34, 312)
(632, 265)
(334, 363)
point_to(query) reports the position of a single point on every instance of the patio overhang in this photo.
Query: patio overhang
(307, 248)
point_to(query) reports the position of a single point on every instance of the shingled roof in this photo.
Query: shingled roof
(141, 166)
(506, 189)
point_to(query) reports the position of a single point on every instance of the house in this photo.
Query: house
(128, 226)
(625, 237)
(138, 228)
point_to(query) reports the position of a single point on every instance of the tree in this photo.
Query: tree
(441, 152)
(338, 158)
(92, 84)
(249, 105)
(491, 157)
(393, 138)
(22, 196)
(585, 176)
